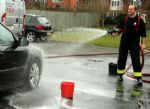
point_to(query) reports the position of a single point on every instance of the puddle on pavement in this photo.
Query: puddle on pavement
(95, 60)
(66, 104)
(138, 96)
(123, 97)
(87, 96)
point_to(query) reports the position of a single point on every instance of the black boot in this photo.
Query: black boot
(120, 78)
(139, 82)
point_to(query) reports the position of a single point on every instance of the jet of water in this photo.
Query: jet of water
(88, 34)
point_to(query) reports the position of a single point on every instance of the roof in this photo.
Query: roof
(34, 15)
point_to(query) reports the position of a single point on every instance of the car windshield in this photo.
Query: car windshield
(6, 37)
(43, 20)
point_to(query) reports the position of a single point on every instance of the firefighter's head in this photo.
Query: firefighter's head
(132, 10)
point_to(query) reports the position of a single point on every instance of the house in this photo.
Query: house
(146, 4)
(82, 5)
(94, 5)
(117, 6)
(35, 4)
(112, 6)
(62, 4)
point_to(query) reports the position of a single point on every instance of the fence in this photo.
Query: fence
(64, 20)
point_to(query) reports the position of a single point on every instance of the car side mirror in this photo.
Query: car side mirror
(23, 41)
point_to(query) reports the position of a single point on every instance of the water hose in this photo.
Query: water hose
(77, 55)
(142, 65)
(110, 53)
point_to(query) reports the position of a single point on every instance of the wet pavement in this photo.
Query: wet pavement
(94, 88)
(55, 49)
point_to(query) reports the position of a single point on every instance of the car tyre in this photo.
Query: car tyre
(31, 36)
(34, 75)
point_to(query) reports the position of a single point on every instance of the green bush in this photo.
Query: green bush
(114, 21)
(120, 18)
(109, 21)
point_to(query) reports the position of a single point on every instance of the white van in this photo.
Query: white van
(12, 10)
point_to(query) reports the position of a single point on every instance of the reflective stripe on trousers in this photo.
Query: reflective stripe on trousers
(120, 72)
(137, 74)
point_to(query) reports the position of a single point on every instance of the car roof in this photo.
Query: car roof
(34, 15)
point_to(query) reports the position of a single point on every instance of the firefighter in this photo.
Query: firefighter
(133, 39)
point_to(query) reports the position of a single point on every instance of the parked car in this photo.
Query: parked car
(36, 26)
(20, 63)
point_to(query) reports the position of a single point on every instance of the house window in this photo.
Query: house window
(113, 3)
(134, 2)
(116, 3)
(57, 1)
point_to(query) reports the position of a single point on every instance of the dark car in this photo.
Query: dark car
(20, 63)
(36, 26)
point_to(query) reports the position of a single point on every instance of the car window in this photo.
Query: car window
(6, 37)
(27, 19)
(42, 20)
(33, 20)
(12, 21)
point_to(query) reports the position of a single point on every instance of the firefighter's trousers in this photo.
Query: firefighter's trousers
(134, 50)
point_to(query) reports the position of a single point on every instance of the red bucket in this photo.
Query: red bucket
(67, 90)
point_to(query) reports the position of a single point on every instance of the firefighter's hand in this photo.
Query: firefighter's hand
(114, 34)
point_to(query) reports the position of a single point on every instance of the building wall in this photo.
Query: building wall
(67, 4)
(146, 4)
(31, 4)
(95, 5)
(125, 4)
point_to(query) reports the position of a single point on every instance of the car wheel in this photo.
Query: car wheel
(31, 36)
(34, 73)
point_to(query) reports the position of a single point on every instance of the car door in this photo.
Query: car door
(12, 61)
(33, 22)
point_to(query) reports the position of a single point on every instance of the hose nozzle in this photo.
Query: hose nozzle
(113, 31)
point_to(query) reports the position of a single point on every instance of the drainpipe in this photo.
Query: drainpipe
(139, 5)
